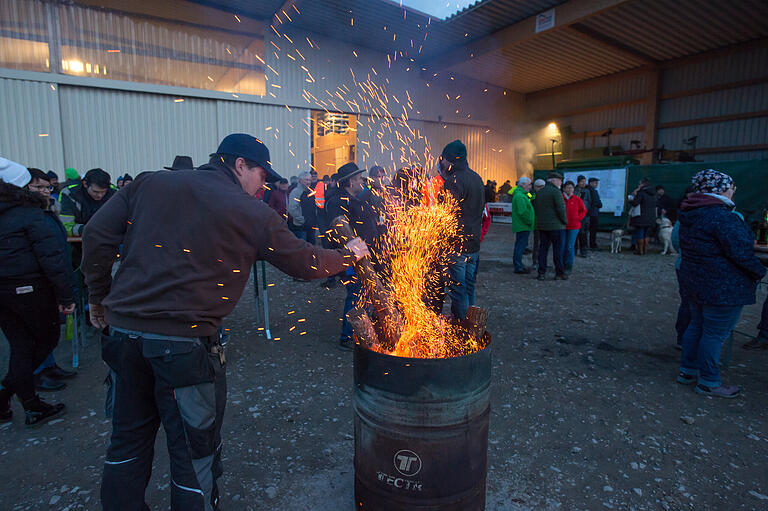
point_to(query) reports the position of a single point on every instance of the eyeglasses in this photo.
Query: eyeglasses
(40, 188)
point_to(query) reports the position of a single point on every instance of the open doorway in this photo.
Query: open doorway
(334, 140)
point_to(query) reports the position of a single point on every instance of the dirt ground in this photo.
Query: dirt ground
(586, 414)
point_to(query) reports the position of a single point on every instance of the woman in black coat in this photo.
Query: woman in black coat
(645, 197)
(34, 288)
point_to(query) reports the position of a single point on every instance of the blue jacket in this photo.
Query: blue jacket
(718, 266)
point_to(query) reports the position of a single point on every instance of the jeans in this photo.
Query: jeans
(536, 242)
(461, 286)
(180, 384)
(30, 322)
(50, 361)
(554, 238)
(683, 314)
(703, 341)
(354, 290)
(569, 248)
(521, 243)
(640, 233)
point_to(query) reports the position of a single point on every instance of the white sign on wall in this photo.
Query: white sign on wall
(612, 187)
(545, 20)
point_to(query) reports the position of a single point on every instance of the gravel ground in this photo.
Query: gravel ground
(585, 411)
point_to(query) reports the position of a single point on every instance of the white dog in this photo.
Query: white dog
(616, 236)
(665, 235)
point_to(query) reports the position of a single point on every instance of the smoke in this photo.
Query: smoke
(525, 151)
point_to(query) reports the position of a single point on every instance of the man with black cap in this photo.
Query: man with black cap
(182, 270)
(346, 203)
(551, 219)
(466, 186)
(583, 192)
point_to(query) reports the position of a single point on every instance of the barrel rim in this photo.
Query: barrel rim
(384, 356)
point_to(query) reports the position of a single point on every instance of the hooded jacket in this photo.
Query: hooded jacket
(29, 249)
(466, 186)
(718, 264)
(183, 269)
(575, 211)
(646, 199)
(77, 207)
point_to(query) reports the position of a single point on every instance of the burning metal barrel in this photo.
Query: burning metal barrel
(421, 431)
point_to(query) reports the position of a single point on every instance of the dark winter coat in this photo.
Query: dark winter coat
(646, 199)
(594, 202)
(357, 213)
(29, 248)
(466, 186)
(550, 209)
(718, 266)
(183, 269)
(77, 207)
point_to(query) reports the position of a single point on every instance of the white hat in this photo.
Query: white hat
(14, 173)
(539, 182)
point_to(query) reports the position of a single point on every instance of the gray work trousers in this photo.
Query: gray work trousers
(180, 383)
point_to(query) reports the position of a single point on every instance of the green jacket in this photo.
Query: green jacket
(522, 211)
(550, 209)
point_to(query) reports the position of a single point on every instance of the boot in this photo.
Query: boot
(38, 412)
(646, 241)
(45, 384)
(58, 373)
(6, 414)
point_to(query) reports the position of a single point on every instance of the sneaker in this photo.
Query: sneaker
(726, 391)
(58, 373)
(756, 344)
(39, 412)
(345, 345)
(541, 277)
(45, 384)
(686, 379)
(562, 276)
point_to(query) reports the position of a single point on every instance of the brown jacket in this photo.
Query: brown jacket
(189, 240)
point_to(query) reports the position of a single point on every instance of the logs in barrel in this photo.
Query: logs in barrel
(421, 431)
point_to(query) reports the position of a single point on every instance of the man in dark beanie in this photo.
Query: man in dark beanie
(182, 270)
(466, 186)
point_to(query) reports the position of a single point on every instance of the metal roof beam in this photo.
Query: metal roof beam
(566, 15)
(610, 43)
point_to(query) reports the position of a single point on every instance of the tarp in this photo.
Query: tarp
(751, 178)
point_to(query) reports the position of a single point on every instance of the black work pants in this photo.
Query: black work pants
(582, 242)
(180, 384)
(556, 239)
(594, 223)
(30, 322)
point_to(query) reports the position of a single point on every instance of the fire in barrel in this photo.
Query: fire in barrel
(421, 379)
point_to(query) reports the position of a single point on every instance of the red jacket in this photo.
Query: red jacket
(575, 210)
(486, 222)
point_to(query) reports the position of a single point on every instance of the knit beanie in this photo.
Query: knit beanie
(14, 173)
(712, 181)
(455, 152)
(71, 173)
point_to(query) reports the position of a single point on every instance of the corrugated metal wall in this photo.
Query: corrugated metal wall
(282, 130)
(629, 112)
(131, 132)
(30, 127)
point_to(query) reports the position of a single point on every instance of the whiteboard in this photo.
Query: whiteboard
(612, 187)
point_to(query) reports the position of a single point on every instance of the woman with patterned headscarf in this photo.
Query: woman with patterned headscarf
(718, 277)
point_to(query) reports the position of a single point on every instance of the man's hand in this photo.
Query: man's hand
(67, 309)
(358, 247)
(97, 315)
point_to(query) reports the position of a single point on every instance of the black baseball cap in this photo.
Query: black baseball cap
(242, 145)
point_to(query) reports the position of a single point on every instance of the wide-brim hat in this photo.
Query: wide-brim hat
(347, 171)
(242, 145)
(181, 163)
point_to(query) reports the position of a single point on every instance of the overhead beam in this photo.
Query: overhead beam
(566, 15)
(610, 43)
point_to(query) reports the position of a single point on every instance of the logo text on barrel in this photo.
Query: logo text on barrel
(407, 462)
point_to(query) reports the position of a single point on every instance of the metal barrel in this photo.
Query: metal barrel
(421, 431)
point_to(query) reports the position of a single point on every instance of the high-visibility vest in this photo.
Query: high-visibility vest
(320, 194)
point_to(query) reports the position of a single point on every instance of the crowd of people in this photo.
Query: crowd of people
(160, 334)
